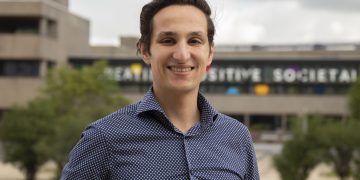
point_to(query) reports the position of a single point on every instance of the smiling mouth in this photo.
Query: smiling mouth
(180, 69)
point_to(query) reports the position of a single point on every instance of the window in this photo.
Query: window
(19, 68)
(23, 25)
(51, 29)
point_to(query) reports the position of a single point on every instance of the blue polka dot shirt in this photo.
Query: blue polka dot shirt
(139, 142)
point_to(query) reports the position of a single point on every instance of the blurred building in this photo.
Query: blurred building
(262, 86)
(34, 36)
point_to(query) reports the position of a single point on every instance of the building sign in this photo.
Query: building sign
(311, 75)
(281, 75)
(137, 72)
(234, 74)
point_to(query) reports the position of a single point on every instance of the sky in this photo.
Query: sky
(238, 22)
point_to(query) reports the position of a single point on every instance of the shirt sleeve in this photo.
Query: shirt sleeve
(252, 172)
(89, 158)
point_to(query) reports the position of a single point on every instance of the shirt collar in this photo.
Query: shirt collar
(149, 103)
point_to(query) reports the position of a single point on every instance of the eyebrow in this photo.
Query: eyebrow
(167, 33)
(171, 33)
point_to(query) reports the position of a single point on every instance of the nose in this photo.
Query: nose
(182, 52)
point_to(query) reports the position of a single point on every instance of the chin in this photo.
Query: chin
(184, 88)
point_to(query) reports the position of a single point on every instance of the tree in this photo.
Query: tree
(338, 140)
(300, 154)
(49, 127)
(357, 163)
(342, 142)
(354, 106)
(297, 159)
(325, 140)
(354, 99)
(21, 129)
(79, 97)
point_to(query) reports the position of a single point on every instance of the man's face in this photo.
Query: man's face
(179, 48)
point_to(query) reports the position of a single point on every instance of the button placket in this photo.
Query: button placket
(187, 155)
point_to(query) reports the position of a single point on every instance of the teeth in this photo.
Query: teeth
(177, 69)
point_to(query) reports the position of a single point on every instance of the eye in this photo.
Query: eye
(167, 41)
(195, 41)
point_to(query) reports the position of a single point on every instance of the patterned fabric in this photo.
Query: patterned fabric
(139, 142)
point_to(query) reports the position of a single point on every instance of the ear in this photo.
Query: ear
(144, 54)
(211, 54)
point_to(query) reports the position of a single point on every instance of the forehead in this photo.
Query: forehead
(180, 19)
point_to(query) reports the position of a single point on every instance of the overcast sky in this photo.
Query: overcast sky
(241, 22)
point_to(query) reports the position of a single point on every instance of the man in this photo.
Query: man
(173, 133)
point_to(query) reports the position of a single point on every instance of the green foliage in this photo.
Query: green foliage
(339, 139)
(20, 131)
(354, 106)
(354, 99)
(297, 159)
(49, 127)
(323, 140)
(300, 154)
(357, 164)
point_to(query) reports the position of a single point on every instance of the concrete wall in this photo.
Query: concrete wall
(77, 35)
(18, 91)
(63, 2)
(280, 104)
(27, 46)
(273, 104)
(71, 35)
(17, 8)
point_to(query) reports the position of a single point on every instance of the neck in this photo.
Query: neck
(181, 108)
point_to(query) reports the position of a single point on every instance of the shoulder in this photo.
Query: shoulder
(233, 127)
(120, 118)
(231, 122)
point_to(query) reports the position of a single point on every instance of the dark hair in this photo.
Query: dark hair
(149, 10)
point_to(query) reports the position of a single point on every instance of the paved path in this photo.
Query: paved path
(11, 172)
